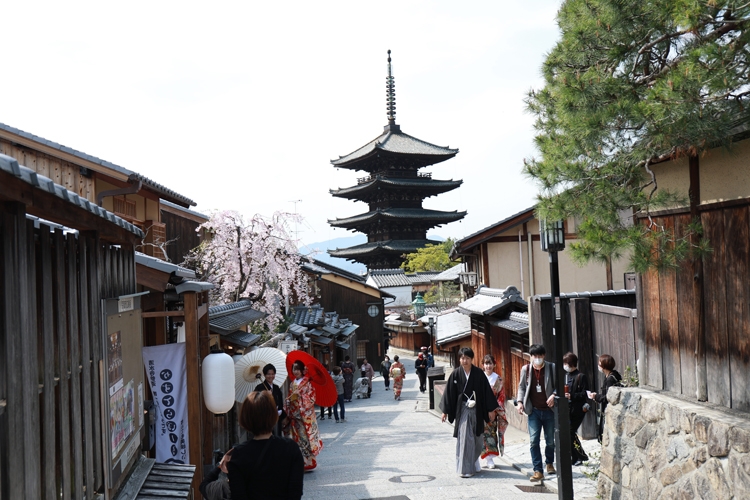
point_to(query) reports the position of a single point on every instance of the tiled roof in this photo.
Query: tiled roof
(93, 159)
(452, 326)
(163, 266)
(496, 227)
(317, 266)
(384, 278)
(183, 209)
(430, 186)
(389, 246)
(418, 214)
(244, 339)
(450, 274)
(488, 301)
(578, 295)
(10, 165)
(421, 278)
(394, 141)
(228, 318)
(310, 316)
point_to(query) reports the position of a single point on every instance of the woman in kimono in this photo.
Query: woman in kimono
(494, 432)
(398, 374)
(468, 400)
(300, 410)
(347, 369)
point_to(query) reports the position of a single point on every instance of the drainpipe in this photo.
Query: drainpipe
(520, 259)
(132, 189)
(531, 265)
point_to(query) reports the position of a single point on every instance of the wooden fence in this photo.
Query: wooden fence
(696, 320)
(50, 349)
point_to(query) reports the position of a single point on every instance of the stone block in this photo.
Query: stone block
(739, 472)
(609, 465)
(712, 475)
(630, 400)
(699, 456)
(613, 395)
(686, 490)
(625, 476)
(652, 410)
(643, 436)
(677, 449)
(654, 488)
(639, 476)
(670, 474)
(700, 428)
(633, 424)
(718, 439)
(740, 439)
(673, 417)
(656, 454)
(604, 487)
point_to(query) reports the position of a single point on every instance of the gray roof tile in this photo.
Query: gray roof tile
(418, 214)
(388, 246)
(10, 165)
(228, 318)
(396, 142)
(384, 278)
(488, 301)
(134, 175)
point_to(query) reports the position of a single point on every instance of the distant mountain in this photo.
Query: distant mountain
(319, 251)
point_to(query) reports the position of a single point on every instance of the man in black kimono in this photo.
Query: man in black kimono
(469, 401)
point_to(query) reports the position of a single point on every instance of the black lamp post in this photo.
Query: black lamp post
(552, 235)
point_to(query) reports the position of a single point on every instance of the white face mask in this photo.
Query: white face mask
(601, 370)
(567, 368)
(538, 361)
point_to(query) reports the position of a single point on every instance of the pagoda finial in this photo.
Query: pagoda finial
(390, 86)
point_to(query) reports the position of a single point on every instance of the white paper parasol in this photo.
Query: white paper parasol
(248, 371)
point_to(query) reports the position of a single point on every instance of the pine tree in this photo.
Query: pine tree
(631, 83)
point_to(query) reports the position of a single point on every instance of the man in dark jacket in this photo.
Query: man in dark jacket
(469, 401)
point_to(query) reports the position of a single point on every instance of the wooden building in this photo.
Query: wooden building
(352, 298)
(508, 253)
(64, 262)
(394, 190)
(123, 192)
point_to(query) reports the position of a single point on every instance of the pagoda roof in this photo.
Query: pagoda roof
(395, 214)
(380, 247)
(393, 141)
(431, 186)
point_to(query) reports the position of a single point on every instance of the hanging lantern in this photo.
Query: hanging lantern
(218, 382)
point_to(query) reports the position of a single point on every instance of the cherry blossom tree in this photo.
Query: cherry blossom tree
(255, 258)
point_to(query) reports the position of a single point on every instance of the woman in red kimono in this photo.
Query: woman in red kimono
(300, 409)
(398, 373)
(494, 432)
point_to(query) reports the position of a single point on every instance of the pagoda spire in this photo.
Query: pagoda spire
(390, 101)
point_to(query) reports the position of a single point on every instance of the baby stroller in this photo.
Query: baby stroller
(360, 388)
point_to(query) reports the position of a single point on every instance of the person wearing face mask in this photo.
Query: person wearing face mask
(577, 385)
(611, 378)
(536, 398)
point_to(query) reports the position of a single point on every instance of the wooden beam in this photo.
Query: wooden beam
(202, 310)
(162, 314)
(192, 368)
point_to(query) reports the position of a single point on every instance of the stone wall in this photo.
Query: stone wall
(660, 447)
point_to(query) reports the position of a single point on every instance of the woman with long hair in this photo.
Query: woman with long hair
(300, 410)
(494, 432)
(398, 374)
(265, 466)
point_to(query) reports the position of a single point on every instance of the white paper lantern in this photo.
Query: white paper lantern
(218, 382)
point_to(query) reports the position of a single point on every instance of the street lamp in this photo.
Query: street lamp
(552, 236)
(419, 305)
(468, 278)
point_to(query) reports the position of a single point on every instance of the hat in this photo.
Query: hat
(423, 348)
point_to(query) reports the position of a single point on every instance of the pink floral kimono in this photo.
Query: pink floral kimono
(494, 432)
(398, 380)
(303, 429)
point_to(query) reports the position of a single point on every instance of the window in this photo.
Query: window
(362, 348)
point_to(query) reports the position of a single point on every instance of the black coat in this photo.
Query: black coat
(578, 384)
(458, 391)
(279, 398)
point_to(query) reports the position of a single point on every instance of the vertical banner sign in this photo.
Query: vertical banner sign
(165, 368)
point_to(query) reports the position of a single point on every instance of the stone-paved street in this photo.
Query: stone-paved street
(398, 449)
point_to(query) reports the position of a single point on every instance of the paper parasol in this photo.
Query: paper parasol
(248, 371)
(325, 389)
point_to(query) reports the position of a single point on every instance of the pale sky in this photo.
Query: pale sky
(241, 105)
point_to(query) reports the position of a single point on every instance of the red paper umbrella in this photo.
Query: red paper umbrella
(325, 389)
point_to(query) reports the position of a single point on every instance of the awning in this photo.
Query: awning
(228, 318)
(509, 324)
(342, 345)
(451, 327)
(488, 301)
(321, 340)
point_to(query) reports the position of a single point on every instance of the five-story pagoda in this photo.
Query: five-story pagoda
(394, 189)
